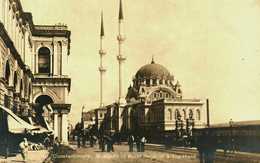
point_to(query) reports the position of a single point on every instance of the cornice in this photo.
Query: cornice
(9, 43)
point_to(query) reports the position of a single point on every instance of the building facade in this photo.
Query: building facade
(154, 104)
(33, 72)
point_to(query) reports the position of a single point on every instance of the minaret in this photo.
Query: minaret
(120, 57)
(102, 52)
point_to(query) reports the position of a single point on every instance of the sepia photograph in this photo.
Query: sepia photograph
(130, 81)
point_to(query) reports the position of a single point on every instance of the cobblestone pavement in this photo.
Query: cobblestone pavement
(121, 155)
(33, 157)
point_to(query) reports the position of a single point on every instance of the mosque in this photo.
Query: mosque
(154, 101)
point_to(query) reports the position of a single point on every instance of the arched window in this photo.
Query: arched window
(44, 60)
(177, 114)
(15, 81)
(148, 82)
(154, 81)
(184, 114)
(198, 114)
(7, 72)
(190, 114)
(21, 86)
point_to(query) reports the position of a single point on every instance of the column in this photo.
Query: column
(64, 59)
(52, 61)
(64, 128)
(145, 118)
(55, 125)
(36, 61)
(1, 10)
(55, 58)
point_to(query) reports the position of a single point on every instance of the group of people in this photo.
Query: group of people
(84, 137)
(106, 143)
(25, 146)
(139, 141)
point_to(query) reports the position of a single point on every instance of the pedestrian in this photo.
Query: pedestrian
(201, 147)
(102, 143)
(212, 146)
(47, 142)
(112, 141)
(109, 144)
(142, 143)
(24, 149)
(91, 141)
(131, 141)
(78, 138)
(138, 142)
(83, 138)
(56, 145)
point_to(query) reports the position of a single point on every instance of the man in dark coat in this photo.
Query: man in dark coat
(138, 143)
(131, 140)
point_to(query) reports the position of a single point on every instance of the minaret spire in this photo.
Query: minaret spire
(102, 32)
(120, 56)
(121, 15)
(102, 52)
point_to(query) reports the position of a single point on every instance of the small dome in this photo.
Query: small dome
(153, 71)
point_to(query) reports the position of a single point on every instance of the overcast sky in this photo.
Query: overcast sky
(211, 46)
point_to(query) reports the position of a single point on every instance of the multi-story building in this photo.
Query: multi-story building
(33, 67)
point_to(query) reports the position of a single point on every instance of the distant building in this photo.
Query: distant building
(33, 72)
(153, 104)
(88, 118)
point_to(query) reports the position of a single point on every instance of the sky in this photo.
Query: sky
(212, 48)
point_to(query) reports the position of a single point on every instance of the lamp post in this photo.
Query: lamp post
(231, 124)
(82, 120)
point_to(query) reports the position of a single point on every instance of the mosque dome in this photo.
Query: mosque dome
(153, 71)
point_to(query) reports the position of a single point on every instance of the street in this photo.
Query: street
(121, 155)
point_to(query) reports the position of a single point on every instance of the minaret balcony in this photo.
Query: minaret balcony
(121, 38)
(121, 58)
(102, 52)
(102, 69)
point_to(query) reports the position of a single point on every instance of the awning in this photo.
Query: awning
(40, 130)
(16, 124)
